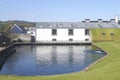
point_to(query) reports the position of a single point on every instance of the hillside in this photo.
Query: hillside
(4, 25)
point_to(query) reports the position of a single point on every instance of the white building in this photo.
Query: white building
(70, 32)
(61, 32)
(31, 31)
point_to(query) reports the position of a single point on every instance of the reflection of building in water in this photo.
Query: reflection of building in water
(60, 55)
(53, 55)
(43, 55)
(79, 55)
(70, 51)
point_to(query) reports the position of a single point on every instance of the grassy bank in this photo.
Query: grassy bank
(107, 69)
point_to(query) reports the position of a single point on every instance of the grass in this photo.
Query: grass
(106, 69)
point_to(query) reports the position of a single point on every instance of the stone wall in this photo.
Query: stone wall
(22, 37)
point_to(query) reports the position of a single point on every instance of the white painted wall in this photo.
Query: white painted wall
(43, 35)
(79, 34)
(62, 35)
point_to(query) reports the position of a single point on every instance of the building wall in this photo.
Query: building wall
(108, 34)
(62, 35)
(32, 33)
(22, 37)
(43, 34)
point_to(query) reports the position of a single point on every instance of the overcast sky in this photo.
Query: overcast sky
(58, 10)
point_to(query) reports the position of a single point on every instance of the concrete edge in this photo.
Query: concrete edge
(48, 43)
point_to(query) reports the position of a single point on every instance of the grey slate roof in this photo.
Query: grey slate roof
(77, 25)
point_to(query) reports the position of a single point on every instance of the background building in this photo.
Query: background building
(73, 31)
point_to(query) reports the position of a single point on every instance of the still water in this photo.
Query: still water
(50, 60)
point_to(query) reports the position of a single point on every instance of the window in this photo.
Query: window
(87, 32)
(54, 39)
(86, 39)
(70, 39)
(103, 34)
(112, 34)
(54, 32)
(70, 32)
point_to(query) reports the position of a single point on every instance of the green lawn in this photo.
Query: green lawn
(107, 69)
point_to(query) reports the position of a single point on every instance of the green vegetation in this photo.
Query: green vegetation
(106, 69)
(22, 23)
(105, 34)
(5, 25)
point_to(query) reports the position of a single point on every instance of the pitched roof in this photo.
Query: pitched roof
(17, 29)
(77, 25)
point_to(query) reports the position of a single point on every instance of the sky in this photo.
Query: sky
(58, 10)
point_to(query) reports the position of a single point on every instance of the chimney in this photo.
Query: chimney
(87, 20)
(116, 18)
(99, 20)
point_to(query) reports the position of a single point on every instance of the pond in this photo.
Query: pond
(32, 60)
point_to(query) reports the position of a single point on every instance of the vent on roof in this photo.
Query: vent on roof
(87, 20)
(100, 20)
(112, 20)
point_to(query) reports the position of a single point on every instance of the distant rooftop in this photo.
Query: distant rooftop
(84, 24)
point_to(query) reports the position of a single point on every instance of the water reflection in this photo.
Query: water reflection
(64, 55)
(49, 60)
(70, 51)
(53, 55)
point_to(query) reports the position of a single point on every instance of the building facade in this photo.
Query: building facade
(71, 32)
(31, 31)
(63, 35)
